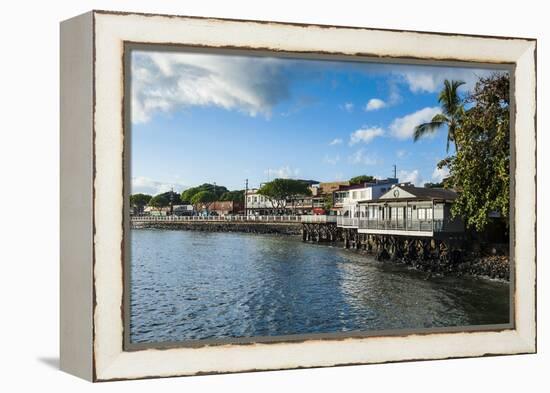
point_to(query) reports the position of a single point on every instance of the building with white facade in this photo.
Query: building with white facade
(349, 197)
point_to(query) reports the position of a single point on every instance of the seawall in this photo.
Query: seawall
(244, 227)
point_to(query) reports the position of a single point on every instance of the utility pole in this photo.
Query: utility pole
(172, 201)
(245, 195)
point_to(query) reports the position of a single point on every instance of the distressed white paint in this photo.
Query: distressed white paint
(113, 362)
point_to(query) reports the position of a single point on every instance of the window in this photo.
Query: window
(354, 195)
(421, 214)
(363, 194)
(400, 213)
(429, 213)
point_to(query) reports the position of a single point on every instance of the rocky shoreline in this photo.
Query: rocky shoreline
(494, 266)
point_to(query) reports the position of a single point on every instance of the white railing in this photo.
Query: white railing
(347, 221)
(286, 218)
(318, 219)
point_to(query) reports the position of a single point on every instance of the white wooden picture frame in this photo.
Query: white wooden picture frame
(93, 189)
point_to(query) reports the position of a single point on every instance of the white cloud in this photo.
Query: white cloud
(403, 127)
(163, 82)
(365, 135)
(413, 177)
(439, 174)
(394, 98)
(285, 172)
(168, 81)
(375, 104)
(430, 79)
(332, 160)
(348, 106)
(336, 141)
(360, 157)
(145, 185)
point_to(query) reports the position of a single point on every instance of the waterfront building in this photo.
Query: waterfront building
(178, 210)
(323, 195)
(226, 208)
(347, 198)
(406, 210)
(183, 210)
(260, 205)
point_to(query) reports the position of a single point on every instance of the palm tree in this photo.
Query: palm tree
(452, 107)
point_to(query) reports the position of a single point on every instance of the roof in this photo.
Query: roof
(430, 193)
(421, 193)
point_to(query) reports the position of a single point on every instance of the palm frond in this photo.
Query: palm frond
(440, 118)
(426, 128)
(449, 98)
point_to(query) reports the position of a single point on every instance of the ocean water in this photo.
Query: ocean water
(188, 285)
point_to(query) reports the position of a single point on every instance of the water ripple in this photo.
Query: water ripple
(197, 285)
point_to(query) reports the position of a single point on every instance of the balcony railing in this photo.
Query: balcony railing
(318, 219)
(347, 221)
(403, 225)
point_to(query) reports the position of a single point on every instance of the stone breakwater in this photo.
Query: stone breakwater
(494, 266)
(243, 227)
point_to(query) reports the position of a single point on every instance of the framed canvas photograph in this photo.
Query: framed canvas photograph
(246, 195)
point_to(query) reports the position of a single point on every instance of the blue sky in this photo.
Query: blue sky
(200, 118)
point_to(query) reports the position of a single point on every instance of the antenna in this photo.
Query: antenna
(245, 195)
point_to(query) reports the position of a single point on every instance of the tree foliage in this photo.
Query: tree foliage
(163, 200)
(281, 191)
(203, 199)
(361, 179)
(480, 169)
(452, 112)
(235, 196)
(188, 194)
(159, 201)
(140, 200)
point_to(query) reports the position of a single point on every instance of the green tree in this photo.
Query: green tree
(139, 201)
(203, 200)
(452, 112)
(480, 171)
(163, 200)
(235, 196)
(361, 179)
(281, 191)
(159, 201)
(328, 204)
(188, 194)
